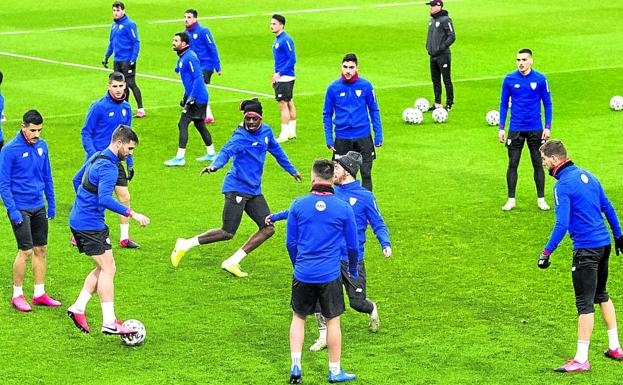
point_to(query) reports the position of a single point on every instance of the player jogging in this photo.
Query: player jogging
(242, 188)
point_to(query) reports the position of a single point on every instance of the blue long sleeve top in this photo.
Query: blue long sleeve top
(123, 41)
(189, 68)
(25, 175)
(284, 54)
(202, 43)
(580, 201)
(103, 117)
(88, 211)
(248, 151)
(525, 93)
(1, 112)
(348, 109)
(317, 226)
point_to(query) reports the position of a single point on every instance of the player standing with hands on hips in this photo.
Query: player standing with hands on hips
(525, 89)
(580, 203)
(124, 44)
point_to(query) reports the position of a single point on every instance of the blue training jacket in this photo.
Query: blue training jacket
(102, 119)
(353, 104)
(580, 201)
(525, 94)
(25, 174)
(123, 40)
(1, 112)
(202, 43)
(248, 151)
(317, 225)
(189, 68)
(366, 211)
(88, 210)
(284, 54)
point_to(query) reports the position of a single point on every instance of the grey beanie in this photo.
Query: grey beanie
(351, 162)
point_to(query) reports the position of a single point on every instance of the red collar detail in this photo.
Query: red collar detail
(352, 80)
(559, 165)
(189, 27)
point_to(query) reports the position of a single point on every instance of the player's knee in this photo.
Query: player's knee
(358, 304)
(268, 231)
(226, 235)
(25, 254)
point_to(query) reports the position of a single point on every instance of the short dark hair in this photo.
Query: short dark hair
(118, 4)
(279, 18)
(1, 77)
(193, 11)
(116, 76)
(32, 117)
(323, 168)
(183, 37)
(125, 134)
(525, 50)
(350, 57)
(555, 148)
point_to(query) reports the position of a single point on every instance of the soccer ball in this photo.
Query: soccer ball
(440, 115)
(412, 116)
(136, 338)
(422, 104)
(493, 118)
(616, 103)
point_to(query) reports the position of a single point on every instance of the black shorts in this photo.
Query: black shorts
(283, 91)
(236, 203)
(125, 68)
(355, 288)
(516, 139)
(306, 295)
(364, 146)
(92, 242)
(207, 76)
(122, 179)
(590, 275)
(33, 231)
(195, 112)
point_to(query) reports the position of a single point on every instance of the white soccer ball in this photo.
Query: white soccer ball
(440, 115)
(493, 118)
(616, 103)
(136, 338)
(422, 104)
(412, 116)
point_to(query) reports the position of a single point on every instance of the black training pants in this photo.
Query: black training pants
(441, 65)
(514, 144)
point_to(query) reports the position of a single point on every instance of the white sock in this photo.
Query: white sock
(284, 130)
(613, 339)
(108, 313)
(40, 290)
(237, 257)
(81, 303)
(511, 200)
(581, 354)
(192, 242)
(322, 334)
(209, 113)
(292, 126)
(17, 291)
(210, 149)
(334, 367)
(180, 152)
(540, 200)
(124, 232)
(296, 360)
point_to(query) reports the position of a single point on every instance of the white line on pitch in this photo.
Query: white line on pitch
(200, 18)
(405, 4)
(312, 10)
(174, 80)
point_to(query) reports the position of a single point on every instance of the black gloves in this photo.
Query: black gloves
(618, 245)
(544, 261)
(130, 173)
(105, 62)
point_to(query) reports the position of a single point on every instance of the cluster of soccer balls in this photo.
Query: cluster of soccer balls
(616, 103)
(415, 114)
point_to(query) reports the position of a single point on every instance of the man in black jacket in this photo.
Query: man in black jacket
(440, 37)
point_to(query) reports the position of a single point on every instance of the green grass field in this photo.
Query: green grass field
(462, 300)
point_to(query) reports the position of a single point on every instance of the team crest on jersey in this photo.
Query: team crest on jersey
(533, 85)
(40, 151)
(123, 112)
(111, 114)
(352, 201)
(195, 35)
(436, 24)
(238, 199)
(358, 93)
(321, 206)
